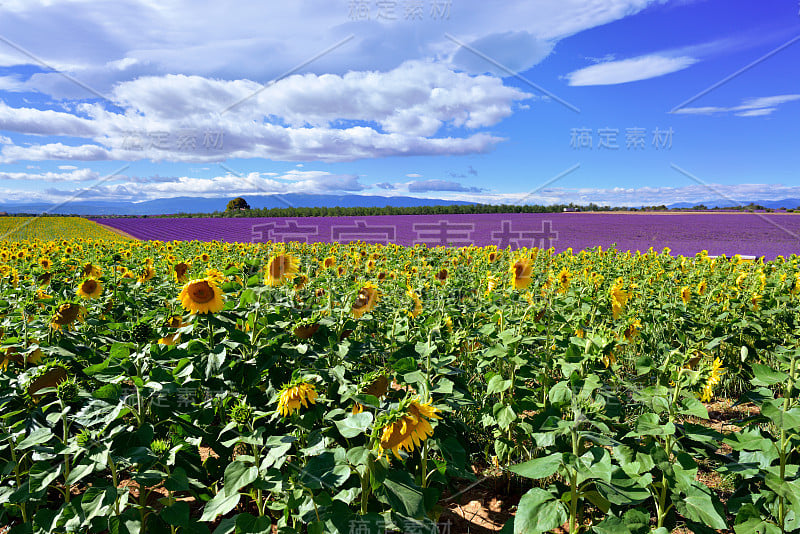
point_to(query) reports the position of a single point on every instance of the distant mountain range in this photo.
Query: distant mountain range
(788, 203)
(209, 205)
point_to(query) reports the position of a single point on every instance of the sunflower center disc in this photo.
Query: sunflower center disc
(201, 292)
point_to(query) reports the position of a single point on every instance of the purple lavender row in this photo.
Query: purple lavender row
(751, 234)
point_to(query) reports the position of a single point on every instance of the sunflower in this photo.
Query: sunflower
(521, 270)
(619, 298)
(686, 294)
(633, 330)
(147, 273)
(365, 301)
(714, 378)
(375, 384)
(407, 428)
(417, 303)
(564, 278)
(180, 271)
(201, 296)
(215, 275)
(280, 268)
(205, 257)
(11, 354)
(294, 395)
(305, 331)
(45, 263)
(328, 262)
(175, 321)
(702, 287)
(91, 270)
(90, 288)
(66, 315)
(441, 276)
(300, 282)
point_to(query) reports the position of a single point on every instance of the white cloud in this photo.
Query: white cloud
(212, 40)
(67, 167)
(629, 70)
(299, 118)
(315, 182)
(750, 107)
(76, 175)
(634, 196)
(414, 175)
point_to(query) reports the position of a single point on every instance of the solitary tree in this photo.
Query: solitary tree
(237, 203)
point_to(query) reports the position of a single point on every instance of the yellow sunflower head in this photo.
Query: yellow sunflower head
(280, 268)
(215, 275)
(564, 278)
(295, 395)
(66, 314)
(365, 301)
(90, 288)
(417, 303)
(521, 272)
(407, 427)
(686, 294)
(180, 270)
(91, 270)
(201, 296)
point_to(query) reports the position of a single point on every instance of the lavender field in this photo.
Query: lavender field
(754, 234)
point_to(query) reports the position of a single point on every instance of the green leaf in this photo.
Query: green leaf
(699, 507)
(648, 424)
(237, 476)
(594, 463)
(79, 471)
(404, 496)
(787, 420)
(497, 385)
(176, 514)
(693, 406)
(177, 481)
(327, 470)
(505, 415)
(248, 524)
(41, 475)
(538, 467)
(37, 437)
(109, 392)
(97, 502)
(538, 512)
(560, 393)
(766, 376)
(354, 425)
(221, 504)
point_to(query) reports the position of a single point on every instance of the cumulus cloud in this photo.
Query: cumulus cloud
(750, 107)
(152, 187)
(629, 70)
(189, 118)
(190, 38)
(76, 175)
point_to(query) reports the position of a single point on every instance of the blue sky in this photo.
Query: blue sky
(454, 99)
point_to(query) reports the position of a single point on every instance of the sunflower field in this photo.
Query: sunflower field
(351, 388)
